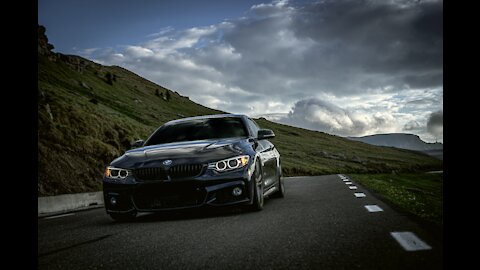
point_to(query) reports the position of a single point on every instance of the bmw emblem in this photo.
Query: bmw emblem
(167, 162)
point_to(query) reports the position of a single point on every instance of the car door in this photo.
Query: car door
(269, 161)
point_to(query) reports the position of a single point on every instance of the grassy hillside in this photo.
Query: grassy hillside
(420, 194)
(88, 114)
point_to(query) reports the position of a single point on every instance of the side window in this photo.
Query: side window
(252, 126)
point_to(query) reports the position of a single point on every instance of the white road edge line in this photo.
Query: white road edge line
(409, 241)
(359, 194)
(348, 183)
(352, 187)
(373, 208)
(59, 216)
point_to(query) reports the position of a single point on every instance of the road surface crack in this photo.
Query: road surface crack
(75, 245)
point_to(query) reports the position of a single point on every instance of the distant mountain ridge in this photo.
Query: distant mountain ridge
(399, 140)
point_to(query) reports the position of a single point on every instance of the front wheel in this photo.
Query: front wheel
(281, 189)
(258, 188)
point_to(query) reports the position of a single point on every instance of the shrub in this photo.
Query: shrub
(109, 78)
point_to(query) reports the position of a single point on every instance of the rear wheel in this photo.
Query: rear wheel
(122, 217)
(258, 198)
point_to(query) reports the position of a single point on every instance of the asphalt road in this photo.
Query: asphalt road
(320, 224)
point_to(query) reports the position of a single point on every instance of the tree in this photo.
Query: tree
(168, 95)
(157, 93)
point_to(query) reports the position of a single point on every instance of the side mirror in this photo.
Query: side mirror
(265, 134)
(138, 143)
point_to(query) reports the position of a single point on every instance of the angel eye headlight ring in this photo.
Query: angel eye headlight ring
(117, 173)
(230, 163)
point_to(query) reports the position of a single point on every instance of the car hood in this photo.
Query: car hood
(204, 151)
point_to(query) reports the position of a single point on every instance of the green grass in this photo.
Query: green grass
(81, 136)
(420, 194)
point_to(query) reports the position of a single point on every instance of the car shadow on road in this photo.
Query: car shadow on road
(189, 214)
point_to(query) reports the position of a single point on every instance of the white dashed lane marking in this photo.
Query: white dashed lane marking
(359, 194)
(373, 208)
(409, 241)
(59, 216)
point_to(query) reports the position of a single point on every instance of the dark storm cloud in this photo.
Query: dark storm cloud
(375, 42)
(435, 124)
(341, 47)
(423, 81)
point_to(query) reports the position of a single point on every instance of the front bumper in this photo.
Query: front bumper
(160, 196)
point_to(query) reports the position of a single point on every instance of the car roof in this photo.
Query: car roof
(206, 117)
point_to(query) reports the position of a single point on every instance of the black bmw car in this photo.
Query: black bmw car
(214, 160)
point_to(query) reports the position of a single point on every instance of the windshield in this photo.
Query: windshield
(200, 129)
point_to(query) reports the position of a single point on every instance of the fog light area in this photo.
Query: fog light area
(237, 191)
(113, 201)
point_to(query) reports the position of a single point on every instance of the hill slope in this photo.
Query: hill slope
(88, 114)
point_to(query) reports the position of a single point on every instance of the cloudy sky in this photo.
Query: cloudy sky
(350, 68)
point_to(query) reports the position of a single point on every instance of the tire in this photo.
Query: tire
(281, 189)
(122, 217)
(258, 198)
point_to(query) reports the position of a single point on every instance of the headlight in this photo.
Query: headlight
(117, 173)
(229, 164)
